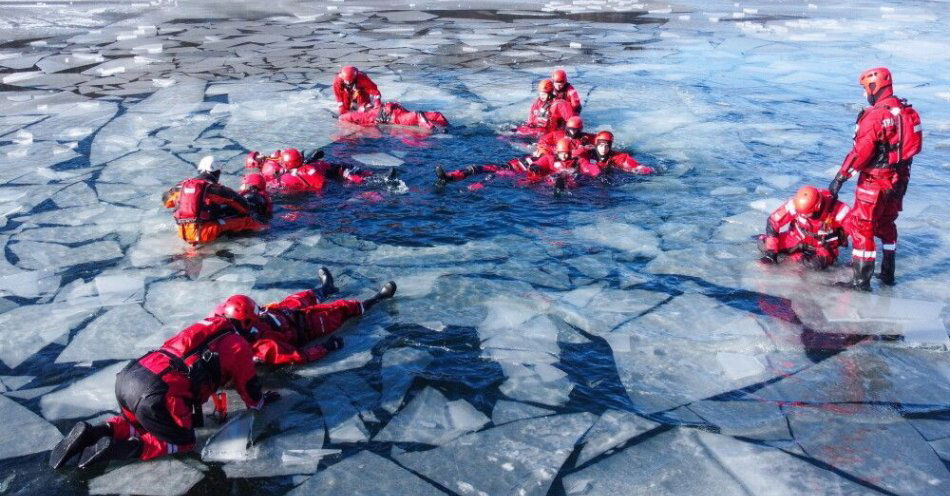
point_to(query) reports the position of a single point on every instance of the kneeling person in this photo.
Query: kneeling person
(815, 231)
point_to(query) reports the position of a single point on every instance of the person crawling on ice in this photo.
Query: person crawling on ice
(161, 394)
(394, 114)
(815, 231)
(281, 332)
(355, 91)
(204, 209)
(563, 90)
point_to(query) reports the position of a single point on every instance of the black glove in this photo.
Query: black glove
(270, 397)
(770, 258)
(333, 344)
(835, 185)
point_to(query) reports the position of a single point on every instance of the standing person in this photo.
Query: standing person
(563, 90)
(354, 90)
(886, 139)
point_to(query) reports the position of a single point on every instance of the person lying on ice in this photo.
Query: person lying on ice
(560, 169)
(607, 160)
(394, 114)
(204, 209)
(354, 90)
(546, 113)
(815, 229)
(287, 171)
(160, 395)
(563, 90)
(281, 331)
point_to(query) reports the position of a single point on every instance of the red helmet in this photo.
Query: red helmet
(291, 158)
(559, 76)
(254, 181)
(546, 86)
(807, 200)
(565, 145)
(575, 122)
(271, 169)
(348, 74)
(250, 162)
(239, 307)
(436, 118)
(874, 80)
(604, 136)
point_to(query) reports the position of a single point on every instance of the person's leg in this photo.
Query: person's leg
(325, 318)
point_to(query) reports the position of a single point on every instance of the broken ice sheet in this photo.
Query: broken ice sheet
(628, 238)
(29, 432)
(520, 457)
(431, 419)
(29, 328)
(509, 411)
(37, 255)
(612, 429)
(162, 477)
(679, 462)
(880, 436)
(364, 474)
(85, 397)
(378, 159)
(400, 366)
(125, 331)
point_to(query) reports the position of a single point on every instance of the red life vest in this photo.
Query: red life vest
(910, 135)
(191, 201)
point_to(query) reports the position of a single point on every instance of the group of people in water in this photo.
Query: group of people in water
(161, 394)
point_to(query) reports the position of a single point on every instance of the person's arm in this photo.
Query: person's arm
(369, 88)
(575, 98)
(866, 136)
(230, 198)
(170, 197)
(779, 219)
(587, 167)
(237, 364)
(342, 96)
(626, 163)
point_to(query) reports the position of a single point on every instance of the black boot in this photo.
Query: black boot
(887, 268)
(79, 437)
(863, 270)
(440, 173)
(109, 449)
(326, 284)
(387, 291)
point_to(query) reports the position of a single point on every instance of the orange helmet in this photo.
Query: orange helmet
(807, 200)
(575, 122)
(348, 74)
(564, 145)
(559, 76)
(546, 86)
(874, 80)
(291, 158)
(604, 136)
(253, 181)
(239, 307)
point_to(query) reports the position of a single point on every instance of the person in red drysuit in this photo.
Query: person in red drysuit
(886, 139)
(604, 157)
(814, 219)
(563, 90)
(573, 129)
(560, 169)
(547, 113)
(254, 191)
(204, 209)
(288, 171)
(281, 332)
(160, 395)
(354, 90)
(394, 114)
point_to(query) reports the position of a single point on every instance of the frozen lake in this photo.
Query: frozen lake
(621, 339)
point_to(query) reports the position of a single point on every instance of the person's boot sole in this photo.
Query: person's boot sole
(71, 445)
(96, 453)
